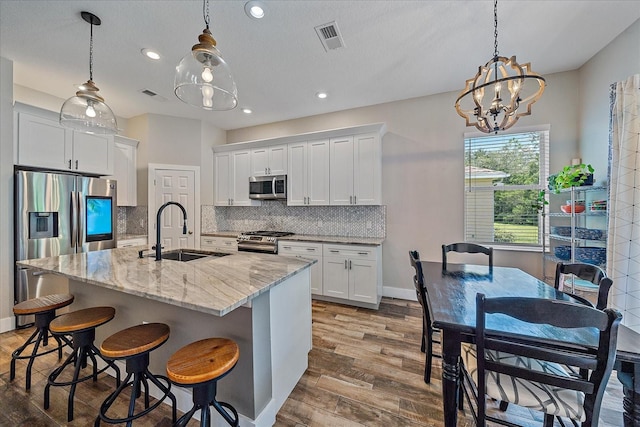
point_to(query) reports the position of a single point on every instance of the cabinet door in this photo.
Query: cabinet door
(363, 280)
(259, 162)
(124, 171)
(297, 177)
(367, 168)
(335, 277)
(93, 153)
(277, 160)
(222, 176)
(318, 173)
(44, 143)
(241, 171)
(341, 181)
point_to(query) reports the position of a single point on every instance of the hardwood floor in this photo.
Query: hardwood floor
(365, 369)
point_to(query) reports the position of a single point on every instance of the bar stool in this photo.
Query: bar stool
(200, 365)
(44, 308)
(133, 345)
(82, 326)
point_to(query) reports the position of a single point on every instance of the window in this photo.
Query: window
(503, 177)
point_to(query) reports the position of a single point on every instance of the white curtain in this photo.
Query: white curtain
(623, 248)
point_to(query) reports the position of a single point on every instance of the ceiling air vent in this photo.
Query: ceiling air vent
(153, 95)
(330, 36)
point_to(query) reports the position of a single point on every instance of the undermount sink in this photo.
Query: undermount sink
(185, 255)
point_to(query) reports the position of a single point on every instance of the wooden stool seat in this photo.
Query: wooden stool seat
(202, 361)
(44, 308)
(42, 304)
(87, 318)
(134, 345)
(135, 340)
(200, 365)
(81, 325)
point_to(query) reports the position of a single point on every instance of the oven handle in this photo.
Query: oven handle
(273, 187)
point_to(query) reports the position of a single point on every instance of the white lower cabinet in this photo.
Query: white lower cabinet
(126, 243)
(219, 244)
(310, 251)
(352, 272)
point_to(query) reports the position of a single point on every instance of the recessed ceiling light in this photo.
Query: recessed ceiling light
(247, 110)
(321, 95)
(255, 9)
(151, 54)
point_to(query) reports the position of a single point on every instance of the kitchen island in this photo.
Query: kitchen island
(262, 302)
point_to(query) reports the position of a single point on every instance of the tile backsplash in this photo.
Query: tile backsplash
(132, 220)
(351, 221)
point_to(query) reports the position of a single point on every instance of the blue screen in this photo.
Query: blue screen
(99, 214)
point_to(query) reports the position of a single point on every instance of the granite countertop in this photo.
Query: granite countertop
(211, 285)
(375, 241)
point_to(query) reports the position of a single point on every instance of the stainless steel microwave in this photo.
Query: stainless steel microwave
(269, 187)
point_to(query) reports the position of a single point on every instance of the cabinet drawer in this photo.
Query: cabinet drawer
(225, 244)
(300, 249)
(351, 251)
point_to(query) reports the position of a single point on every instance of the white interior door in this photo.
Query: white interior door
(175, 185)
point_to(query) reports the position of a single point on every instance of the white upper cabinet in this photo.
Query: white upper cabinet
(269, 160)
(232, 172)
(356, 170)
(124, 170)
(308, 177)
(43, 143)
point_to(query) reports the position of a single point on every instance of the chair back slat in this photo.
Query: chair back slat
(540, 377)
(590, 273)
(470, 248)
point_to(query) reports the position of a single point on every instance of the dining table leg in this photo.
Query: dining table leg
(629, 376)
(450, 375)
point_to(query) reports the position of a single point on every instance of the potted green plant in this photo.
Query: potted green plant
(571, 176)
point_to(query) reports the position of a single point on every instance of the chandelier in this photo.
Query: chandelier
(87, 112)
(203, 78)
(511, 89)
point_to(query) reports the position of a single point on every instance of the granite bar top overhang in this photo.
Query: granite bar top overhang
(216, 286)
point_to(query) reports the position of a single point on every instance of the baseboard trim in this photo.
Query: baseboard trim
(399, 293)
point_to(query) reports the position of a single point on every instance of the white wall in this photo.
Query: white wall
(6, 195)
(617, 61)
(423, 168)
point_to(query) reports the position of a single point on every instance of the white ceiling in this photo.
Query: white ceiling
(394, 49)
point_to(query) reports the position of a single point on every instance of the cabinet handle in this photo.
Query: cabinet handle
(350, 200)
(311, 249)
(349, 264)
(76, 165)
(363, 253)
(345, 263)
(333, 251)
(355, 200)
(269, 169)
(228, 243)
(286, 247)
(69, 163)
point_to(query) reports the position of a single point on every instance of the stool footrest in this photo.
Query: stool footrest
(139, 380)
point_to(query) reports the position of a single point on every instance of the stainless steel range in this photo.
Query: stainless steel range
(260, 241)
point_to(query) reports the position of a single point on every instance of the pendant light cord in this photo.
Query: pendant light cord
(91, 54)
(205, 12)
(495, 28)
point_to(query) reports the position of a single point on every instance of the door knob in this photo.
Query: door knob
(190, 232)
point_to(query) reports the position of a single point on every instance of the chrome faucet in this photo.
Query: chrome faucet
(158, 247)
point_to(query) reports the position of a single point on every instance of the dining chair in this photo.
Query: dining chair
(470, 248)
(588, 272)
(428, 331)
(529, 372)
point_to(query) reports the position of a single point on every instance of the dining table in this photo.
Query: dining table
(451, 301)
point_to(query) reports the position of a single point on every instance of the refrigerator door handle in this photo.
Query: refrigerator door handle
(73, 220)
(79, 229)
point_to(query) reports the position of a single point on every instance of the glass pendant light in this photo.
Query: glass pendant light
(87, 112)
(203, 78)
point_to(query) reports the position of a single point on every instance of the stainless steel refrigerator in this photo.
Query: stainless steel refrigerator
(58, 214)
